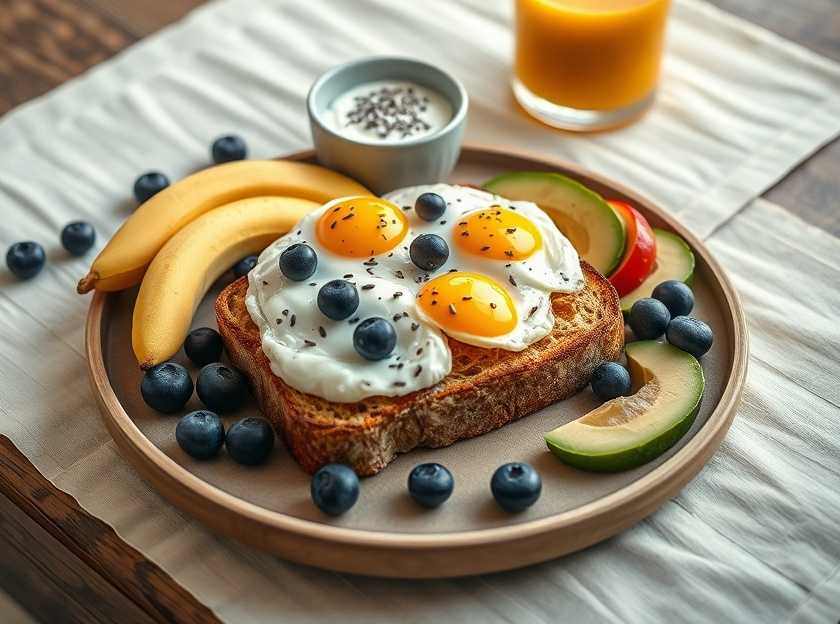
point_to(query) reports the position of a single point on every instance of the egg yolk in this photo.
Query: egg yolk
(498, 233)
(360, 227)
(468, 303)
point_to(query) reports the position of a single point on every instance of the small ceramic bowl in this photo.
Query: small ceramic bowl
(383, 167)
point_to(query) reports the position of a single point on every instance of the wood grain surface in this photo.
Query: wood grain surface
(63, 564)
(46, 42)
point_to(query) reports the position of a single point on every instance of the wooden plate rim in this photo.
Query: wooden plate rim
(648, 492)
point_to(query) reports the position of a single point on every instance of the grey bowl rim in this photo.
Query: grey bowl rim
(457, 118)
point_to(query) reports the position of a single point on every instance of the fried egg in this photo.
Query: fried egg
(505, 259)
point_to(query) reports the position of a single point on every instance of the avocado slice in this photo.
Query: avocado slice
(674, 261)
(592, 226)
(630, 431)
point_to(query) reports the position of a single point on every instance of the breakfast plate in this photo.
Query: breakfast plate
(385, 534)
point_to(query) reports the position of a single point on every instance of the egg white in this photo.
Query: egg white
(316, 354)
(328, 365)
(554, 267)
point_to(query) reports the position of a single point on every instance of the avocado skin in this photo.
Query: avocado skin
(629, 458)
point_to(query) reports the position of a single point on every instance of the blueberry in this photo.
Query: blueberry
(200, 434)
(610, 380)
(430, 206)
(516, 486)
(221, 388)
(148, 185)
(429, 252)
(244, 266)
(166, 387)
(676, 296)
(430, 484)
(374, 338)
(338, 299)
(78, 237)
(249, 441)
(648, 319)
(203, 345)
(334, 489)
(298, 262)
(228, 148)
(26, 259)
(690, 334)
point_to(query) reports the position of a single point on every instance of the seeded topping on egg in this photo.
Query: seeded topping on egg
(482, 274)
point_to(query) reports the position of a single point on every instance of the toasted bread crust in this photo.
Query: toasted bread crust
(487, 388)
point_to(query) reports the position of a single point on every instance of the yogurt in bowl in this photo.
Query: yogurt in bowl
(388, 122)
(388, 111)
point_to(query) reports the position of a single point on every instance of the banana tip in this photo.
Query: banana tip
(87, 283)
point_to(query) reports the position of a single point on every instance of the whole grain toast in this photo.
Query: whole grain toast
(486, 389)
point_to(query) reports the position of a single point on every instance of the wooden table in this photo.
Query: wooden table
(57, 560)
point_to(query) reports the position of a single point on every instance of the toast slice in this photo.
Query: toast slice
(486, 389)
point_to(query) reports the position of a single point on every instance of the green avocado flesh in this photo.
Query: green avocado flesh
(674, 261)
(630, 431)
(594, 229)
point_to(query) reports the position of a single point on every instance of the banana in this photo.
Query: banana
(124, 259)
(188, 264)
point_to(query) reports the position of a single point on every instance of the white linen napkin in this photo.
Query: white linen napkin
(753, 537)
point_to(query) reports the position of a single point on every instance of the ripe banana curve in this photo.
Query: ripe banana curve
(124, 259)
(188, 264)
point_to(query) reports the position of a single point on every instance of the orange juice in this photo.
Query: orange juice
(590, 55)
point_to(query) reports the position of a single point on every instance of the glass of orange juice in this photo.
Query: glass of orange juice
(588, 64)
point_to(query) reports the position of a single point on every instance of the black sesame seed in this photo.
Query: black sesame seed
(285, 312)
(398, 294)
(420, 351)
(313, 283)
(510, 230)
(292, 321)
(279, 321)
(322, 332)
(414, 326)
(348, 275)
(399, 384)
(368, 286)
(485, 248)
(308, 343)
(353, 320)
(397, 317)
(418, 370)
(512, 281)
(531, 313)
(349, 215)
(332, 225)
(399, 274)
(265, 283)
(492, 305)
(467, 298)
